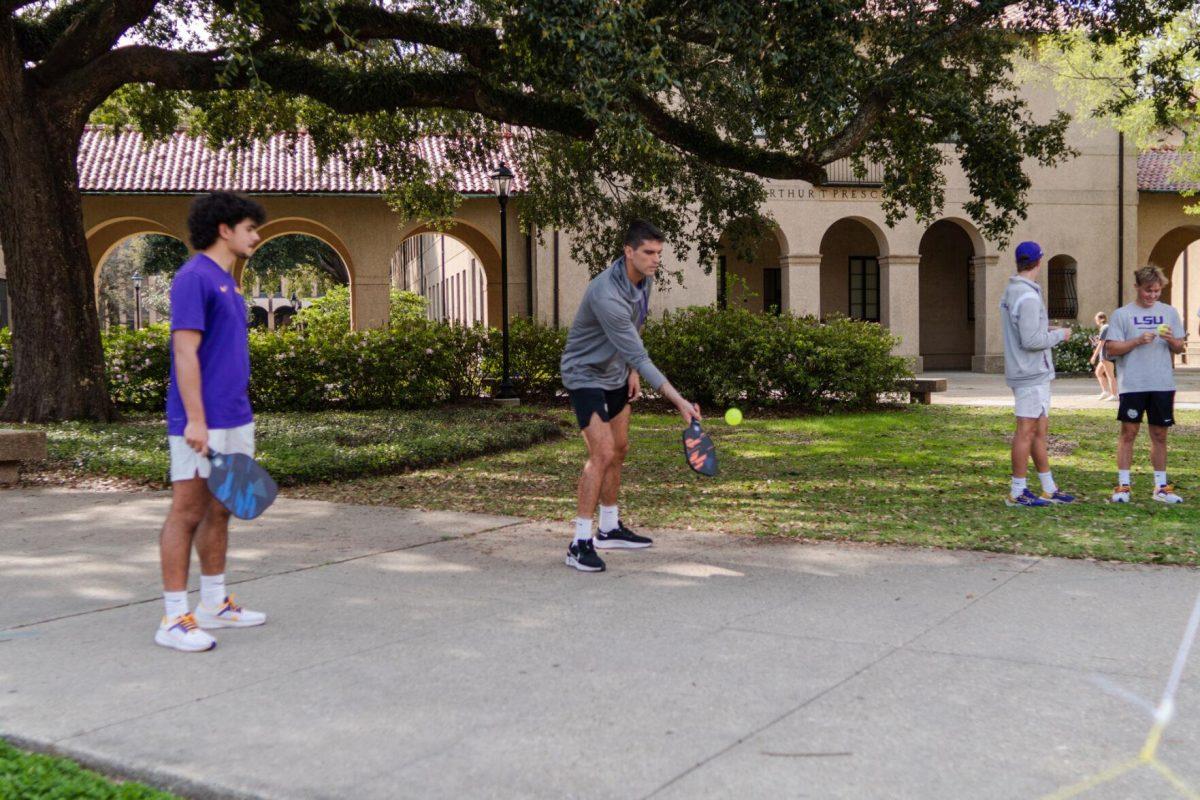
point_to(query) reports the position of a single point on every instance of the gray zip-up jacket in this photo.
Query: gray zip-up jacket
(1028, 342)
(604, 342)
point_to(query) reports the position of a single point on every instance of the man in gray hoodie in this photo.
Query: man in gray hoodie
(600, 370)
(1028, 370)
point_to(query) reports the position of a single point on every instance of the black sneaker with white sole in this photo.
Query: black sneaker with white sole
(621, 537)
(582, 556)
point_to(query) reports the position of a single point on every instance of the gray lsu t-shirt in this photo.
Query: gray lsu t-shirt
(1147, 367)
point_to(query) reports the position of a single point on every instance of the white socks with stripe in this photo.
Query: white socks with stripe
(583, 529)
(1047, 479)
(1160, 478)
(212, 590)
(175, 603)
(608, 518)
(1018, 487)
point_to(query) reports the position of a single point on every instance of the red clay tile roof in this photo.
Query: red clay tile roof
(1156, 171)
(183, 164)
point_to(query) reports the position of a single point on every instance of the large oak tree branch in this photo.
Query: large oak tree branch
(709, 146)
(354, 91)
(478, 44)
(851, 137)
(94, 29)
(36, 36)
(350, 91)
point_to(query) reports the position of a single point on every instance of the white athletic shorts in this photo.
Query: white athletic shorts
(1032, 402)
(186, 463)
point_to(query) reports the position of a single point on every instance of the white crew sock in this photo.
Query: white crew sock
(583, 529)
(1123, 477)
(1047, 479)
(1018, 486)
(175, 603)
(1160, 478)
(608, 518)
(212, 590)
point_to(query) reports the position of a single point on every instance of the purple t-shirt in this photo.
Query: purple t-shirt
(205, 298)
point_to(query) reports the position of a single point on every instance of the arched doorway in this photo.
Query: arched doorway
(850, 285)
(292, 226)
(748, 271)
(1177, 253)
(286, 273)
(947, 296)
(133, 279)
(457, 271)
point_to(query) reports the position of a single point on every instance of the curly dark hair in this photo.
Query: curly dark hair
(210, 211)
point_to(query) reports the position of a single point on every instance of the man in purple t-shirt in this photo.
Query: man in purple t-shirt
(208, 404)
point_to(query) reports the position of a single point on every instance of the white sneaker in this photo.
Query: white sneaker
(1120, 495)
(228, 615)
(1114, 397)
(182, 633)
(1166, 494)
(1102, 396)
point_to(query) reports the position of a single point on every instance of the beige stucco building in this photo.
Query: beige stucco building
(935, 284)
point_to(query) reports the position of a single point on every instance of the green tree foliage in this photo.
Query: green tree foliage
(673, 111)
(1145, 84)
(153, 256)
(330, 313)
(303, 260)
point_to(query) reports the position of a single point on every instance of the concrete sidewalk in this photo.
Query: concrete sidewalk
(433, 655)
(986, 389)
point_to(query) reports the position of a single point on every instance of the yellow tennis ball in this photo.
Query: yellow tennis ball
(733, 417)
(1164, 330)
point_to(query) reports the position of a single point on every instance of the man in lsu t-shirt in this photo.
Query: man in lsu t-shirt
(208, 405)
(1143, 336)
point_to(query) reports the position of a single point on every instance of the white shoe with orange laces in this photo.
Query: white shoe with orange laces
(182, 633)
(1166, 494)
(228, 615)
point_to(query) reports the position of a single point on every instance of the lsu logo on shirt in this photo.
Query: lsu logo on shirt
(1149, 321)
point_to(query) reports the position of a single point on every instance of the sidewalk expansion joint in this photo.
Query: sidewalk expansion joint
(770, 723)
(888, 654)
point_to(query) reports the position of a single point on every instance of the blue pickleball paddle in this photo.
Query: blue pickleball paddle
(240, 484)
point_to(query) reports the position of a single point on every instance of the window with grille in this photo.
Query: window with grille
(1063, 302)
(864, 288)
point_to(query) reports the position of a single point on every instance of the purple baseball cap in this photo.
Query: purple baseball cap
(1028, 253)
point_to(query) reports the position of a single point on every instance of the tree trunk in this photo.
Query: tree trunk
(57, 360)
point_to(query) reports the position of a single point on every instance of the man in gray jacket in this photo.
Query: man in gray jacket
(1028, 370)
(600, 370)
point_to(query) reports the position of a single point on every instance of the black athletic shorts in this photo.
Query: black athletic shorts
(605, 402)
(1159, 408)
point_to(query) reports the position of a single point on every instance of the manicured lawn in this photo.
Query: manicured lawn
(31, 776)
(303, 447)
(918, 476)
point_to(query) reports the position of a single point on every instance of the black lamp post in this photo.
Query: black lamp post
(137, 301)
(501, 179)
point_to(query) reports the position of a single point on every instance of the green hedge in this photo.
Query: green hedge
(534, 354)
(1073, 354)
(721, 357)
(735, 356)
